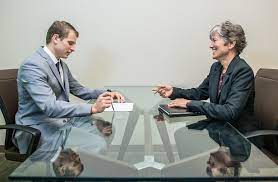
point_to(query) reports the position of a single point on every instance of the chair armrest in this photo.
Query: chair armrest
(260, 133)
(36, 134)
(28, 129)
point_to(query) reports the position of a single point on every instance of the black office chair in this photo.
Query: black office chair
(9, 106)
(265, 108)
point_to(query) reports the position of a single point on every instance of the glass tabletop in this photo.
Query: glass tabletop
(146, 145)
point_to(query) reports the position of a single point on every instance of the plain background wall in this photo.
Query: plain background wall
(138, 42)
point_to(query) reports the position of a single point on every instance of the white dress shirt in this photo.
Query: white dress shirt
(54, 59)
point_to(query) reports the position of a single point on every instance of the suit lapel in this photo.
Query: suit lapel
(52, 66)
(230, 69)
(214, 82)
(66, 79)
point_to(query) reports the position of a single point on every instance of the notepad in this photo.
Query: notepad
(120, 107)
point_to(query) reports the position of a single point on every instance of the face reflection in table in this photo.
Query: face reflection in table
(68, 163)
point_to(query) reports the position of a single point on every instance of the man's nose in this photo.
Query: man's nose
(72, 48)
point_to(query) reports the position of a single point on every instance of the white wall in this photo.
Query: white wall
(138, 42)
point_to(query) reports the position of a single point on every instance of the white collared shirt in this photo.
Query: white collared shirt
(54, 59)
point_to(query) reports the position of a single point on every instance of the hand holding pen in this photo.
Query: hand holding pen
(103, 101)
(163, 90)
(116, 95)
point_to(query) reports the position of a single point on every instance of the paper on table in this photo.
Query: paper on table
(120, 107)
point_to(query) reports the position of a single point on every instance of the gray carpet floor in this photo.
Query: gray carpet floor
(6, 168)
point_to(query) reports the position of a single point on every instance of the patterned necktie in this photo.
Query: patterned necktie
(220, 84)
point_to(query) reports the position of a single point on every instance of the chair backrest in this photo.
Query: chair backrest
(266, 104)
(8, 100)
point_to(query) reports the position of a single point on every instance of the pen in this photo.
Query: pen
(156, 90)
(108, 90)
(112, 106)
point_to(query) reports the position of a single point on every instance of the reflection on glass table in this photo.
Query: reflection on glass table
(216, 149)
(145, 144)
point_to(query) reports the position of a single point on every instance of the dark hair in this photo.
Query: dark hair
(68, 163)
(231, 32)
(61, 28)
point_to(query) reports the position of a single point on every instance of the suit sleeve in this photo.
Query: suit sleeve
(242, 84)
(80, 91)
(199, 93)
(34, 80)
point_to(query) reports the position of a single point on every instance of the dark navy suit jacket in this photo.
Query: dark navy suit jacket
(236, 99)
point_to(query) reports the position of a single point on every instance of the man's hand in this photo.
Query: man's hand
(107, 130)
(103, 101)
(104, 127)
(116, 95)
(179, 103)
(163, 90)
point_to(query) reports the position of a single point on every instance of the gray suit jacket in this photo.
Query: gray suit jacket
(236, 99)
(44, 99)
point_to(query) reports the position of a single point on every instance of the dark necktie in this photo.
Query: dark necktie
(58, 67)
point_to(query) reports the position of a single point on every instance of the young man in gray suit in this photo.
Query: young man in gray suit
(44, 84)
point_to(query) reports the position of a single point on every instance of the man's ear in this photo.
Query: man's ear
(55, 38)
